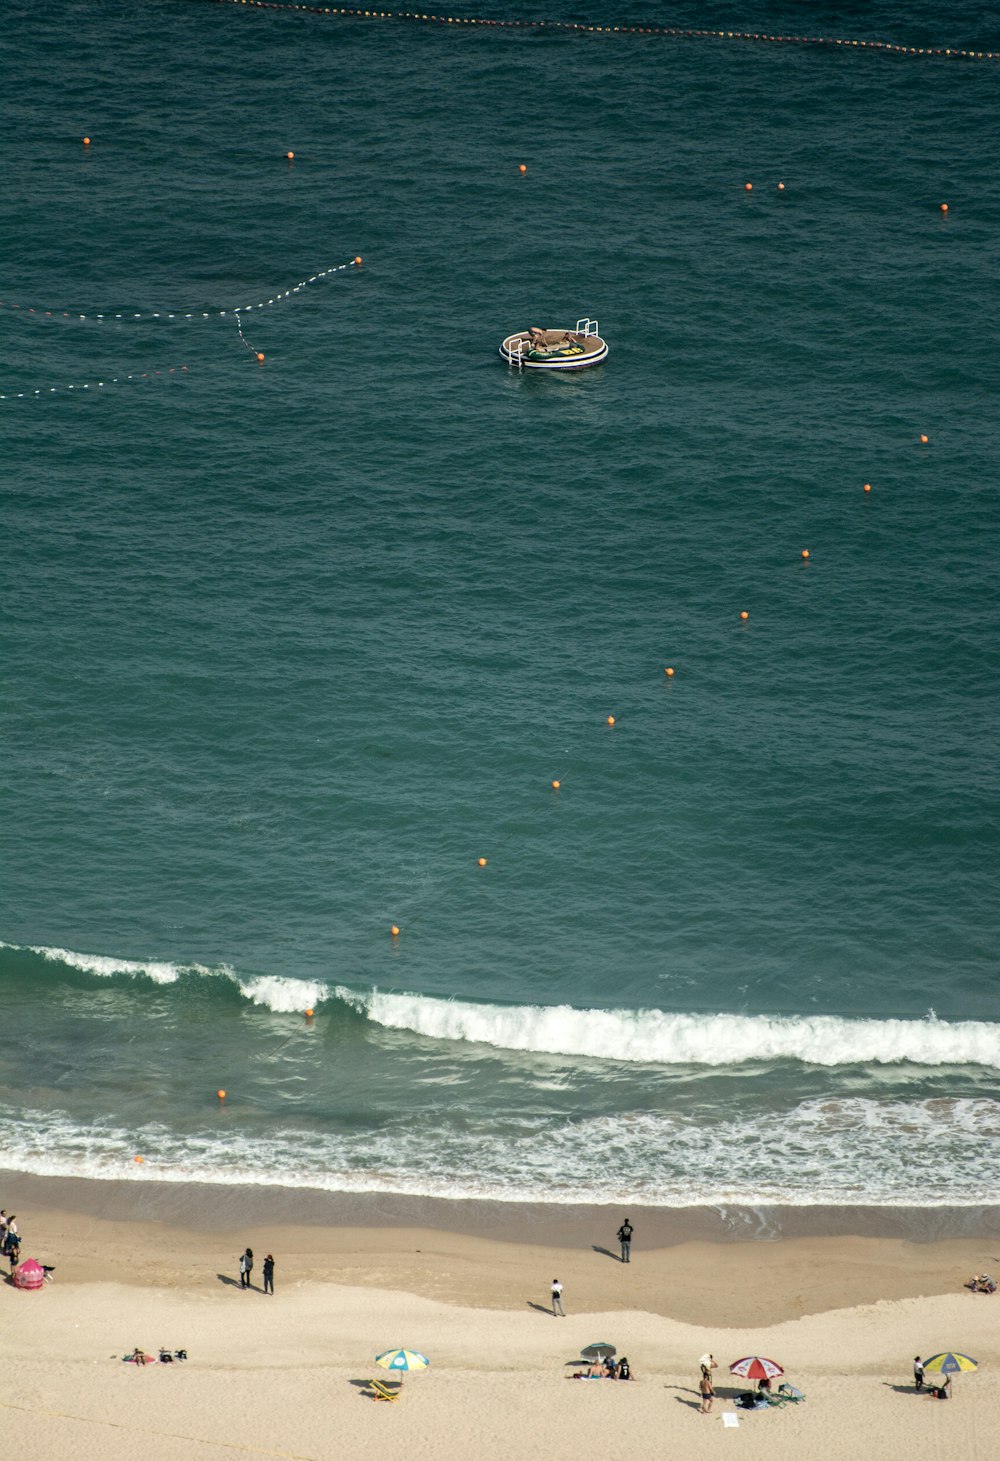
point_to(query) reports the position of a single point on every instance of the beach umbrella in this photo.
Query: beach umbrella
(402, 1360)
(950, 1364)
(756, 1367)
(599, 1350)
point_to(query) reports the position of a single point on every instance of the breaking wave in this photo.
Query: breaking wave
(648, 1036)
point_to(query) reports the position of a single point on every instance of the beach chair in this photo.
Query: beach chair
(784, 1395)
(381, 1391)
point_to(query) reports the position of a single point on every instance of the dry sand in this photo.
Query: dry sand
(284, 1376)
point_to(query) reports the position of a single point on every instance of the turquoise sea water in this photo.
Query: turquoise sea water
(287, 649)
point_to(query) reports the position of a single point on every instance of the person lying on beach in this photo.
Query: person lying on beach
(941, 1391)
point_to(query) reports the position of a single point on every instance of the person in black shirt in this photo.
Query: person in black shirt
(625, 1239)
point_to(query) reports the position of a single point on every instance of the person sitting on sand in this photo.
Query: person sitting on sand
(982, 1283)
(625, 1369)
(610, 1368)
(138, 1356)
(941, 1391)
(592, 1372)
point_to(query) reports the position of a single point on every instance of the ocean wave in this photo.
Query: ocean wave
(655, 1037)
(922, 1154)
(106, 966)
(645, 1036)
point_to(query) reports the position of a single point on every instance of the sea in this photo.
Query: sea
(295, 651)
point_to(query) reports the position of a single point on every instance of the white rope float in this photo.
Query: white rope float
(104, 316)
(92, 385)
(673, 32)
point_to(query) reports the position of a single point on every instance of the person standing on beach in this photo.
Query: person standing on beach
(707, 1391)
(268, 1272)
(918, 1372)
(625, 1239)
(557, 1304)
(246, 1268)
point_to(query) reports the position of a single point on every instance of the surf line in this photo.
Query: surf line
(673, 32)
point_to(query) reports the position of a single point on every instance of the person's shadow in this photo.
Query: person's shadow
(232, 1283)
(541, 1308)
(605, 1252)
(906, 1389)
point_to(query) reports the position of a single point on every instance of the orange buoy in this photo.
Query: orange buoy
(924, 440)
(748, 187)
(781, 187)
(522, 168)
(944, 207)
(556, 785)
(743, 614)
(260, 357)
(394, 930)
(482, 861)
(867, 487)
(357, 258)
(805, 552)
(290, 156)
(221, 1095)
(669, 672)
(138, 1159)
(309, 1014)
(86, 141)
(611, 720)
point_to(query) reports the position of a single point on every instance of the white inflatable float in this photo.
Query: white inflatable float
(538, 349)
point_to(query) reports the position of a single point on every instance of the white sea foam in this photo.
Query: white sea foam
(925, 1154)
(284, 996)
(106, 966)
(655, 1037)
(274, 992)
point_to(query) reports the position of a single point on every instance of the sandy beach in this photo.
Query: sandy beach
(286, 1376)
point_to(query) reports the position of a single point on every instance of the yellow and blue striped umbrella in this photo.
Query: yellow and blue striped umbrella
(950, 1364)
(402, 1359)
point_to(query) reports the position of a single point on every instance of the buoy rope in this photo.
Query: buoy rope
(674, 32)
(102, 316)
(92, 385)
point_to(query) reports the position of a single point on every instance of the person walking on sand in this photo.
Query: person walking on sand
(707, 1391)
(246, 1268)
(918, 1372)
(625, 1239)
(268, 1272)
(557, 1304)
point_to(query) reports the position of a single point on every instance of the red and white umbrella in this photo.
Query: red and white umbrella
(756, 1367)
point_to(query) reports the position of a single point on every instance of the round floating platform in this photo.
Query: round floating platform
(555, 349)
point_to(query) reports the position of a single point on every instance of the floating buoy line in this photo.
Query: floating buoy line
(670, 31)
(125, 316)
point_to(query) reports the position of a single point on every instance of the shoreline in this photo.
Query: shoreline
(213, 1207)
